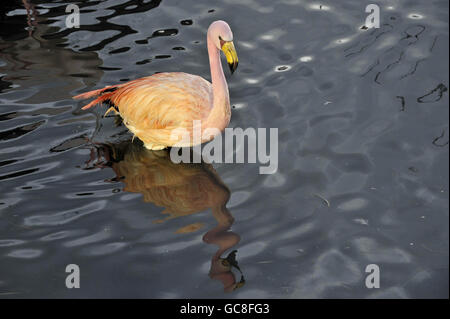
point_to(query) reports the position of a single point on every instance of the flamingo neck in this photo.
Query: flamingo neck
(220, 114)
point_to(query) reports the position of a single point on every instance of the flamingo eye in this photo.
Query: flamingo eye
(221, 41)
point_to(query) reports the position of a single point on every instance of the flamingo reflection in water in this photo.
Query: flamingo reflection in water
(182, 189)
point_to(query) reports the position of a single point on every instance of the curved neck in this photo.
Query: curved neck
(220, 114)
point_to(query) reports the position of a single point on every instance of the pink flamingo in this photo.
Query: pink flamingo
(155, 107)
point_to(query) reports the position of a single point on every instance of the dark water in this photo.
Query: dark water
(363, 148)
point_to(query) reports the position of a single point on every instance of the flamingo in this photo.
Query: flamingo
(155, 107)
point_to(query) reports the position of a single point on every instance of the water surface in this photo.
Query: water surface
(363, 128)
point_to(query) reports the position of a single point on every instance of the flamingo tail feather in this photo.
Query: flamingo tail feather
(104, 93)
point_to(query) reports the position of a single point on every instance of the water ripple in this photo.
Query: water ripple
(363, 152)
(64, 216)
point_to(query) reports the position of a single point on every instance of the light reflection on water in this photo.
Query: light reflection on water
(182, 190)
(363, 172)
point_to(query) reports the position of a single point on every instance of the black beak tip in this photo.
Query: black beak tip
(233, 67)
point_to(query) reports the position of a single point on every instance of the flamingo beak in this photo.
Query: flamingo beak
(231, 55)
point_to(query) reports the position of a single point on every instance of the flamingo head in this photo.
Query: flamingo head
(222, 37)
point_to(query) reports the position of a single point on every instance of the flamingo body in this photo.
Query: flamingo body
(154, 107)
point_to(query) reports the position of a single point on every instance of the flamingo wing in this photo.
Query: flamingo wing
(153, 106)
